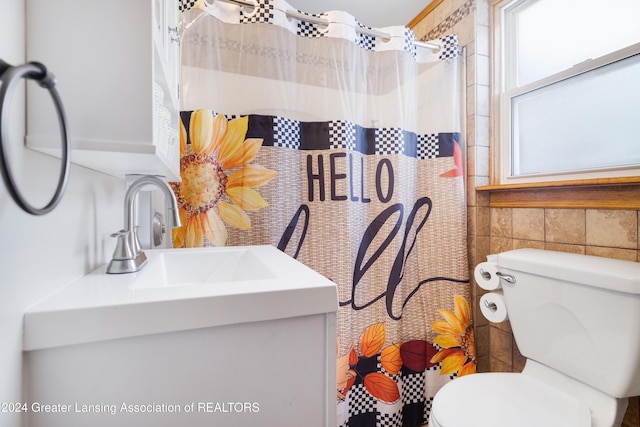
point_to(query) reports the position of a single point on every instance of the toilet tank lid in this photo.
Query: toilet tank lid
(606, 273)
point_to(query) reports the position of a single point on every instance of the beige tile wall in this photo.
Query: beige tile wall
(600, 232)
(608, 233)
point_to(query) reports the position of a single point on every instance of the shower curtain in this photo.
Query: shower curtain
(344, 151)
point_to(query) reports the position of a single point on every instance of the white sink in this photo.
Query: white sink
(194, 329)
(180, 289)
(192, 267)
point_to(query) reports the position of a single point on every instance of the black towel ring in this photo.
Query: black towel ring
(10, 76)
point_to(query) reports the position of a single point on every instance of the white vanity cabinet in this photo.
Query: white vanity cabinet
(117, 65)
(243, 326)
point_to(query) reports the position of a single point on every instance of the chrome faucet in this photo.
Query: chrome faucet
(128, 256)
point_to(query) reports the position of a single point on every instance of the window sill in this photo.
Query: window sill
(610, 193)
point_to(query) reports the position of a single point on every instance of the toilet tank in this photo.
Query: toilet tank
(577, 314)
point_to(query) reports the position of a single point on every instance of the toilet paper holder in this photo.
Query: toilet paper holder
(485, 274)
(508, 277)
(490, 305)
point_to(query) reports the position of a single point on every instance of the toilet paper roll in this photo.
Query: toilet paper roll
(486, 277)
(493, 307)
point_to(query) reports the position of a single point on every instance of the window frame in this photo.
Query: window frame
(504, 90)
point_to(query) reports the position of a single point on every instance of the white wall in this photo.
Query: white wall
(39, 255)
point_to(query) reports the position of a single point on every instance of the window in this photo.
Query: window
(567, 90)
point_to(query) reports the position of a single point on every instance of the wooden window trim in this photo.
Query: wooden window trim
(613, 193)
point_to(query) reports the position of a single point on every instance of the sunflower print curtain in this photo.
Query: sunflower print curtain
(345, 152)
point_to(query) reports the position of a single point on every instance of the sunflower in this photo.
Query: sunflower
(218, 182)
(456, 339)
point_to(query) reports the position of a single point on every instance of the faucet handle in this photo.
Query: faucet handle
(125, 248)
(125, 259)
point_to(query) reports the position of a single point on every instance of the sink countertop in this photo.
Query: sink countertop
(102, 306)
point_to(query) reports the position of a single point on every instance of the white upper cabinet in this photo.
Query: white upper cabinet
(117, 64)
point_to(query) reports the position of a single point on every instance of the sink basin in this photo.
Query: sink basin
(192, 267)
(177, 290)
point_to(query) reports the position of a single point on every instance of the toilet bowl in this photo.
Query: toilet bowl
(576, 319)
(536, 397)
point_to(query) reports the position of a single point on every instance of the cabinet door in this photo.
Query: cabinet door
(173, 46)
(167, 41)
(117, 69)
(166, 45)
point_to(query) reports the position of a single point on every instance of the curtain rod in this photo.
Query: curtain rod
(322, 21)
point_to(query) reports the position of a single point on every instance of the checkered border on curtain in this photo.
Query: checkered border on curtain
(340, 134)
(286, 133)
(410, 42)
(364, 409)
(428, 146)
(389, 420)
(413, 388)
(308, 29)
(186, 4)
(363, 40)
(450, 47)
(262, 13)
(347, 135)
(362, 401)
(389, 141)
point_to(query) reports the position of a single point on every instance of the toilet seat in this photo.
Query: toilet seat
(506, 400)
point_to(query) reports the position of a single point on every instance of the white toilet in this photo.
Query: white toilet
(576, 319)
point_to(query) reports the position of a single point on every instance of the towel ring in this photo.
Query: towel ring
(10, 76)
